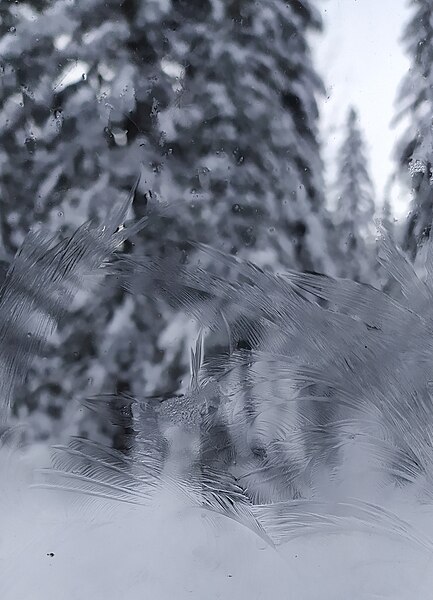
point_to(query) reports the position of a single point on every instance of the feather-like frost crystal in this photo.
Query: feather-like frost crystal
(41, 283)
(324, 383)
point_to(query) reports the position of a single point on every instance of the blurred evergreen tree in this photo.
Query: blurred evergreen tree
(214, 102)
(79, 85)
(415, 149)
(243, 136)
(79, 81)
(355, 206)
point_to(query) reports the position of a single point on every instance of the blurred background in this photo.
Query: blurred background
(277, 131)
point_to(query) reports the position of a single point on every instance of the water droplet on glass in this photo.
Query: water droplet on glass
(30, 144)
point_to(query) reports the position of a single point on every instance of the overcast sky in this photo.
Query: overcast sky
(362, 62)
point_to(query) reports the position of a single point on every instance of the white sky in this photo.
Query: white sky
(362, 63)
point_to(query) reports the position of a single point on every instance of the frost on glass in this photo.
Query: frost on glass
(215, 382)
(312, 420)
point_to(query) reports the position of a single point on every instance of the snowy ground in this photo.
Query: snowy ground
(54, 546)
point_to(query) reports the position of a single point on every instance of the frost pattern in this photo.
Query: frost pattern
(41, 283)
(318, 404)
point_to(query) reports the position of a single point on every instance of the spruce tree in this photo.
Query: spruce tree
(415, 149)
(214, 102)
(79, 85)
(355, 206)
(243, 139)
(242, 142)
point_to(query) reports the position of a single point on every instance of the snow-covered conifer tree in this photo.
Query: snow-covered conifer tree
(243, 140)
(79, 83)
(355, 206)
(214, 102)
(415, 149)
